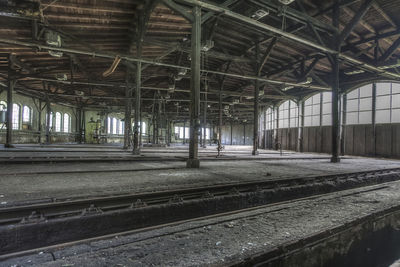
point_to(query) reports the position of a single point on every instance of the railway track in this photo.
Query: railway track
(39, 225)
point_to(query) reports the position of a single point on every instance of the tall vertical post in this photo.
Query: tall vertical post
(256, 100)
(79, 124)
(374, 118)
(136, 147)
(265, 128)
(205, 117)
(244, 133)
(231, 133)
(193, 161)
(40, 122)
(220, 115)
(344, 122)
(184, 132)
(83, 126)
(335, 89)
(321, 116)
(300, 123)
(276, 131)
(10, 91)
(128, 110)
(48, 118)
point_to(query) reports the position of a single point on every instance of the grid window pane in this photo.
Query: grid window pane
(66, 123)
(15, 116)
(58, 122)
(26, 114)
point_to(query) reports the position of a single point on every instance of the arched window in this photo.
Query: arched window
(66, 123)
(16, 116)
(288, 114)
(58, 122)
(26, 114)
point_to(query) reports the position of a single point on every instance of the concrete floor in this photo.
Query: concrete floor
(224, 239)
(156, 169)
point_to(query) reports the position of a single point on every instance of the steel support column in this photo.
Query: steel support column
(301, 126)
(231, 133)
(193, 161)
(48, 114)
(128, 114)
(256, 100)
(265, 128)
(136, 147)
(276, 131)
(205, 118)
(40, 122)
(374, 118)
(344, 121)
(335, 89)
(10, 91)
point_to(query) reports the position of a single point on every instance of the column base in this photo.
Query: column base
(136, 152)
(193, 163)
(255, 153)
(335, 159)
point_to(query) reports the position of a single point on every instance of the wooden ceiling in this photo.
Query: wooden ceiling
(110, 27)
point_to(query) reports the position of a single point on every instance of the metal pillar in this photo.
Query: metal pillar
(10, 91)
(40, 122)
(136, 147)
(205, 117)
(231, 133)
(321, 116)
(374, 118)
(184, 132)
(276, 111)
(300, 123)
(83, 126)
(335, 90)
(79, 124)
(48, 114)
(193, 161)
(128, 112)
(343, 132)
(256, 100)
(244, 134)
(220, 116)
(265, 128)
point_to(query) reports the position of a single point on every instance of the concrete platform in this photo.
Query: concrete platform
(45, 182)
(230, 239)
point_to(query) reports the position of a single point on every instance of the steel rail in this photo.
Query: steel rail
(31, 226)
(17, 213)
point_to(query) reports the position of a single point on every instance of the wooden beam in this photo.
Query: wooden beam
(355, 20)
(179, 9)
(266, 55)
(389, 52)
(208, 15)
